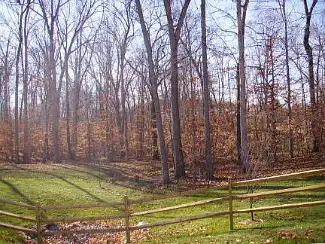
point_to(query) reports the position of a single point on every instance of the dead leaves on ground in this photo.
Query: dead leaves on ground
(86, 238)
(305, 235)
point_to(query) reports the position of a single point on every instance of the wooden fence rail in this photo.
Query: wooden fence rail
(24, 205)
(84, 206)
(126, 204)
(296, 175)
(19, 228)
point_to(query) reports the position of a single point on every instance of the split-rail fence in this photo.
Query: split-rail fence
(40, 220)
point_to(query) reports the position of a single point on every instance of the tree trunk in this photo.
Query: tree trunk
(238, 117)
(273, 106)
(75, 104)
(141, 120)
(108, 135)
(154, 135)
(55, 113)
(7, 116)
(206, 96)
(26, 154)
(154, 94)
(241, 16)
(286, 46)
(311, 78)
(124, 119)
(18, 55)
(46, 133)
(54, 96)
(89, 151)
(67, 103)
(6, 79)
(174, 36)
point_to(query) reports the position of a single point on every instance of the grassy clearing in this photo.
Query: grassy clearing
(68, 184)
(302, 225)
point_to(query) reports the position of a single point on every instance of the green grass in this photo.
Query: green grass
(64, 184)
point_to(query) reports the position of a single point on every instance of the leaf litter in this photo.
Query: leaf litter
(137, 236)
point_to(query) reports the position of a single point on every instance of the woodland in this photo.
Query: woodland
(191, 84)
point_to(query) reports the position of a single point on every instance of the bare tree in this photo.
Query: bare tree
(154, 93)
(80, 66)
(238, 120)
(311, 77)
(6, 66)
(206, 96)
(26, 155)
(18, 56)
(282, 5)
(174, 37)
(50, 15)
(120, 33)
(241, 19)
(122, 45)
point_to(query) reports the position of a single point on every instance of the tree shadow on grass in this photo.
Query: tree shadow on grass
(66, 181)
(17, 191)
(120, 173)
(312, 196)
(265, 225)
(118, 176)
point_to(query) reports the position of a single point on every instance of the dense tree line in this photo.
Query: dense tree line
(192, 81)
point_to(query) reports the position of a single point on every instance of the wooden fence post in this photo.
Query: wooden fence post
(39, 223)
(231, 215)
(127, 219)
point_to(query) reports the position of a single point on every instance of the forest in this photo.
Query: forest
(192, 84)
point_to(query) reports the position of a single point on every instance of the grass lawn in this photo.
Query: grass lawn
(71, 184)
